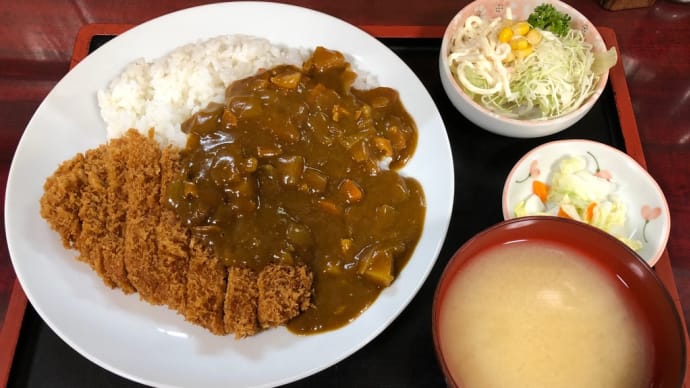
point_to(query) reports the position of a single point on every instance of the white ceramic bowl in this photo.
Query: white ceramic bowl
(494, 122)
(647, 215)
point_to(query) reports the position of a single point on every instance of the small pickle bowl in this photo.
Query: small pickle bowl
(595, 183)
(543, 301)
(529, 124)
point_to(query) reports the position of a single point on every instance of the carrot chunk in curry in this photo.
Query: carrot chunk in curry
(298, 167)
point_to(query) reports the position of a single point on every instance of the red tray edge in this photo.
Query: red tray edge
(9, 334)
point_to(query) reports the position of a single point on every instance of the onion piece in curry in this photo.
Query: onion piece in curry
(299, 167)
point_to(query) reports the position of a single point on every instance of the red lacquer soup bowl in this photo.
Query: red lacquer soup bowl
(547, 301)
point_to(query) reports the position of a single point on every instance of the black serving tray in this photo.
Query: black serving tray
(403, 355)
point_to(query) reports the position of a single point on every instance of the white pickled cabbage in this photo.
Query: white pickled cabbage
(579, 194)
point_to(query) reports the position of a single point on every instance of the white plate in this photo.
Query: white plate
(648, 217)
(153, 345)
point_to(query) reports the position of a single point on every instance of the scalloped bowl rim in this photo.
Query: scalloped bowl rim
(634, 169)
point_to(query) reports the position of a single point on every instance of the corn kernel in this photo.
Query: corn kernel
(519, 43)
(533, 37)
(522, 53)
(520, 28)
(509, 58)
(505, 35)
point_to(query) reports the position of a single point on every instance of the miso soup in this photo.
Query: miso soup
(534, 314)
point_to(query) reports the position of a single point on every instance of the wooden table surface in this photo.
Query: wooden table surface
(37, 39)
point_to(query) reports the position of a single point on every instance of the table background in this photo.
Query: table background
(37, 39)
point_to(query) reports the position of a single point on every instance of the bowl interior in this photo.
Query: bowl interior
(495, 122)
(646, 290)
(647, 214)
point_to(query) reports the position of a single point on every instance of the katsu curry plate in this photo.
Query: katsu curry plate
(232, 203)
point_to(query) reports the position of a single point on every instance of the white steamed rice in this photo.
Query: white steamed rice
(162, 93)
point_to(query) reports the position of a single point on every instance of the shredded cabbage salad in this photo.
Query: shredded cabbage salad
(555, 78)
(577, 193)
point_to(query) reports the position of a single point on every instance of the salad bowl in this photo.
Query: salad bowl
(520, 125)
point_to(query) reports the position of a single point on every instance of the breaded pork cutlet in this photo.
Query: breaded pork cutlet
(116, 209)
(206, 286)
(172, 238)
(110, 204)
(61, 200)
(142, 184)
(241, 303)
(93, 212)
(284, 292)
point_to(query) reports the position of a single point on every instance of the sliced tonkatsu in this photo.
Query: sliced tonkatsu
(109, 204)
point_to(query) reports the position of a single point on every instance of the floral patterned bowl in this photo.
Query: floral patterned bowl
(647, 218)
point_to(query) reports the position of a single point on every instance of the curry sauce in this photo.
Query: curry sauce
(298, 167)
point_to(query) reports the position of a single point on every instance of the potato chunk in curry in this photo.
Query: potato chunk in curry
(298, 167)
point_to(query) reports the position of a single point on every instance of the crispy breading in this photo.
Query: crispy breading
(110, 204)
(93, 214)
(206, 285)
(61, 200)
(142, 184)
(172, 238)
(241, 302)
(284, 292)
(116, 209)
